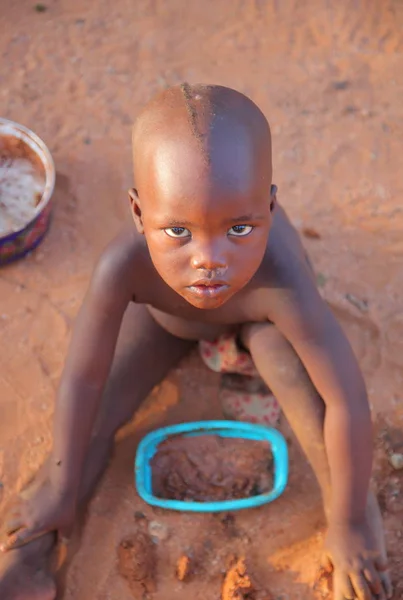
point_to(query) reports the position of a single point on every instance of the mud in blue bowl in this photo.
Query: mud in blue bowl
(148, 447)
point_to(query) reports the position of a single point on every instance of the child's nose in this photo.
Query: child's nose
(208, 258)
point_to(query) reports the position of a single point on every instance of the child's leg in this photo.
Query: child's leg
(283, 372)
(144, 355)
(280, 367)
(243, 394)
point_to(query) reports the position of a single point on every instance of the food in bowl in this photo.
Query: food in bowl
(22, 183)
(27, 177)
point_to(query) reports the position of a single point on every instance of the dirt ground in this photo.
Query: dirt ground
(329, 76)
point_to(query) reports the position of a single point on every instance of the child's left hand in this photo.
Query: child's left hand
(359, 571)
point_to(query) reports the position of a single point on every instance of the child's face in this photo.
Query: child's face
(206, 225)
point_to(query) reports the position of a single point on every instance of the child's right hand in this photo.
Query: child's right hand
(46, 510)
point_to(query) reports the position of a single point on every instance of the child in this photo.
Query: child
(212, 253)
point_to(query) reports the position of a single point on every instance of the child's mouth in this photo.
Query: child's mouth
(208, 289)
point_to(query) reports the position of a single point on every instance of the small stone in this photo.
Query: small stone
(139, 516)
(359, 303)
(40, 8)
(208, 545)
(321, 280)
(396, 461)
(341, 85)
(311, 233)
(183, 568)
(228, 520)
(158, 531)
(349, 109)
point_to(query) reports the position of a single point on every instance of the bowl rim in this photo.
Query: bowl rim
(148, 447)
(37, 145)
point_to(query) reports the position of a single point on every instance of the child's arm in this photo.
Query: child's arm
(87, 367)
(329, 360)
(306, 321)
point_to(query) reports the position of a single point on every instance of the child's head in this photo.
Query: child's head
(203, 170)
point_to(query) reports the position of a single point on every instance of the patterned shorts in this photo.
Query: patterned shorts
(251, 400)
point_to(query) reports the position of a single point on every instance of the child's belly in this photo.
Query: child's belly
(189, 329)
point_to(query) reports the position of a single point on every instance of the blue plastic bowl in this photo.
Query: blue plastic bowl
(149, 446)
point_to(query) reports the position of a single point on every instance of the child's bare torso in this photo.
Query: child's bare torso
(283, 273)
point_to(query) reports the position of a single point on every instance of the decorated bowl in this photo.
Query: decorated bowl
(27, 180)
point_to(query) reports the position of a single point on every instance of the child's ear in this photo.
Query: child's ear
(273, 197)
(136, 210)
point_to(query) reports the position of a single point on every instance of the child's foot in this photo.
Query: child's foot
(24, 573)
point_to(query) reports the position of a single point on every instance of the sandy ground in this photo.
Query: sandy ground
(329, 76)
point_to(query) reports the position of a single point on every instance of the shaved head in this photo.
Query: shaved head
(203, 200)
(222, 127)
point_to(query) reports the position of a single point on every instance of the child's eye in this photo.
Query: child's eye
(240, 230)
(177, 232)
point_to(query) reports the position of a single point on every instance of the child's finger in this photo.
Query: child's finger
(387, 584)
(381, 565)
(361, 587)
(14, 525)
(21, 538)
(348, 591)
(10, 517)
(343, 590)
(374, 580)
(13, 514)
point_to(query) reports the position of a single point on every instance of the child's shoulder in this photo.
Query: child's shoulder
(285, 277)
(122, 263)
(285, 282)
(285, 260)
(127, 246)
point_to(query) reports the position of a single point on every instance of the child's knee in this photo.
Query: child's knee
(264, 336)
(250, 332)
(273, 354)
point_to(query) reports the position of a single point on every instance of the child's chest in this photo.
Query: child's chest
(183, 320)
